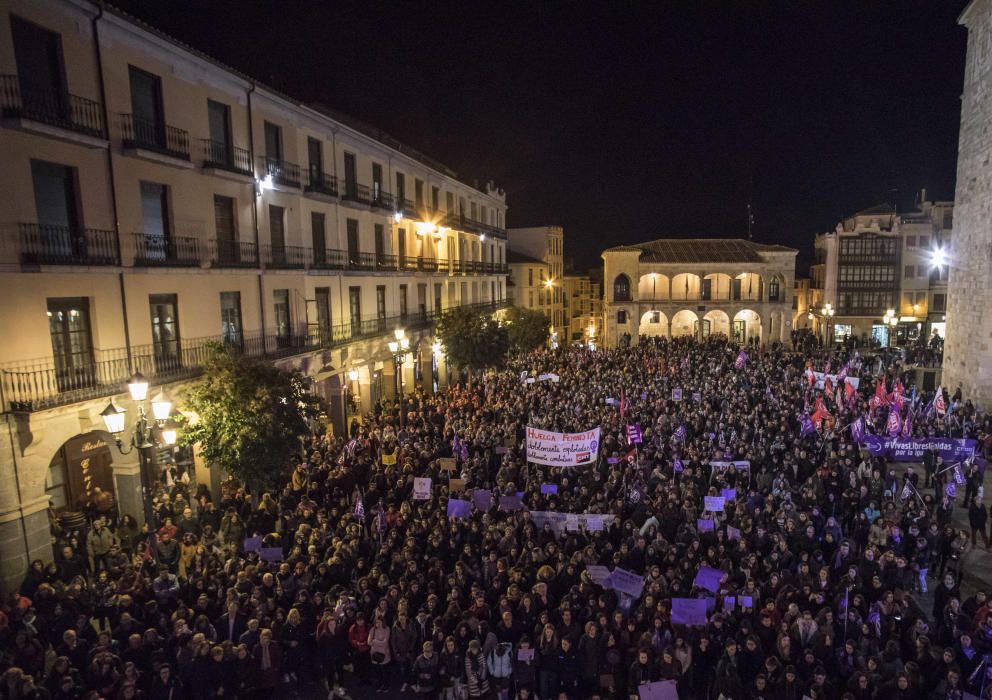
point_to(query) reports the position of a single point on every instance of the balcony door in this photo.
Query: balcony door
(282, 316)
(380, 245)
(59, 233)
(164, 310)
(230, 319)
(227, 234)
(277, 233)
(40, 69)
(72, 344)
(350, 175)
(355, 309)
(146, 107)
(376, 181)
(273, 143)
(319, 241)
(316, 161)
(354, 256)
(219, 123)
(322, 302)
(154, 243)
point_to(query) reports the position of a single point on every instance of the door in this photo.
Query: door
(72, 344)
(322, 297)
(350, 175)
(422, 300)
(154, 241)
(282, 317)
(376, 182)
(277, 234)
(315, 159)
(146, 108)
(40, 70)
(228, 251)
(353, 248)
(403, 302)
(355, 309)
(273, 143)
(230, 319)
(401, 240)
(380, 244)
(219, 124)
(164, 310)
(740, 329)
(318, 239)
(380, 304)
(58, 234)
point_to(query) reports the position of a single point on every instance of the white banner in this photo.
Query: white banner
(562, 522)
(819, 376)
(562, 449)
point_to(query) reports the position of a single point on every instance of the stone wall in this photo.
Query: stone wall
(968, 347)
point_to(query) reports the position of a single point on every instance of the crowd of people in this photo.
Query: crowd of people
(340, 582)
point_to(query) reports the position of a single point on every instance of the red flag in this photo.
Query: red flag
(828, 387)
(820, 413)
(848, 391)
(882, 398)
(631, 456)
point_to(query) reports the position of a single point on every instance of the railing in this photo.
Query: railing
(282, 172)
(233, 253)
(224, 156)
(360, 261)
(64, 245)
(152, 135)
(408, 208)
(380, 199)
(354, 192)
(330, 259)
(321, 182)
(285, 256)
(386, 263)
(154, 250)
(59, 109)
(42, 384)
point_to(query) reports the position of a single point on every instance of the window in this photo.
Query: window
(40, 69)
(422, 299)
(273, 143)
(449, 202)
(908, 272)
(706, 289)
(435, 197)
(154, 242)
(621, 317)
(350, 175)
(910, 241)
(72, 344)
(380, 253)
(315, 157)
(59, 233)
(621, 288)
(948, 222)
(230, 319)
(530, 299)
(227, 235)
(400, 189)
(403, 302)
(354, 253)
(376, 181)
(418, 190)
(473, 208)
(322, 300)
(437, 297)
(380, 302)
(219, 126)
(924, 241)
(164, 310)
(280, 298)
(355, 309)
(530, 276)
(401, 240)
(147, 120)
(774, 290)
(318, 238)
(277, 233)
(939, 302)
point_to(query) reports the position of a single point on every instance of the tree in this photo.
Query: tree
(472, 341)
(249, 416)
(526, 329)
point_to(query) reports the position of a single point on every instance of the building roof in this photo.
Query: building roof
(513, 256)
(702, 250)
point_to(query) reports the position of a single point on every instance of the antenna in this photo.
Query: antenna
(750, 208)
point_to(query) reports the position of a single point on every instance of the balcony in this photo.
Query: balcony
(282, 172)
(139, 134)
(408, 209)
(386, 263)
(227, 253)
(42, 384)
(61, 110)
(320, 182)
(223, 156)
(43, 244)
(285, 257)
(361, 261)
(353, 192)
(152, 250)
(329, 259)
(380, 199)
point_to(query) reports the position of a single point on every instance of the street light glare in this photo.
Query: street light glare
(938, 257)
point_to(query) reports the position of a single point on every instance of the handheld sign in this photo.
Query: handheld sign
(421, 488)
(713, 504)
(455, 485)
(447, 464)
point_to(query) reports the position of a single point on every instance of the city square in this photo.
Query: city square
(295, 409)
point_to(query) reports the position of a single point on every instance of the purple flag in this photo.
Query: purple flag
(709, 578)
(741, 360)
(359, 508)
(858, 430)
(679, 434)
(458, 508)
(634, 435)
(689, 611)
(951, 489)
(907, 424)
(958, 476)
(894, 424)
(678, 465)
(808, 427)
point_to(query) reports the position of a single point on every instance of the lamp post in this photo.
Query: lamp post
(828, 313)
(891, 320)
(399, 348)
(142, 439)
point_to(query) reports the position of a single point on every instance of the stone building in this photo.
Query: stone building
(675, 287)
(968, 342)
(583, 309)
(544, 244)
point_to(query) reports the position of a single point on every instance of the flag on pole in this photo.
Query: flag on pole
(741, 360)
(842, 375)
(631, 456)
(939, 405)
(634, 435)
(623, 409)
(678, 465)
(894, 425)
(906, 493)
(951, 489)
(858, 430)
(679, 433)
(359, 508)
(820, 412)
(907, 424)
(881, 398)
(958, 476)
(828, 387)
(808, 427)
(810, 377)
(849, 393)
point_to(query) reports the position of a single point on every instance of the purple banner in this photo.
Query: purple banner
(689, 611)
(549, 488)
(912, 449)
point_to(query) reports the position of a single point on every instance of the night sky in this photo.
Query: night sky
(626, 124)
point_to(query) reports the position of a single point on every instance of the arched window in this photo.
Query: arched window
(621, 288)
(774, 290)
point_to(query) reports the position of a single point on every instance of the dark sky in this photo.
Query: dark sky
(627, 121)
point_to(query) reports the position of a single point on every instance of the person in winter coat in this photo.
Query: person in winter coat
(165, 686)
(569, 672)
(403, 644)
(267, 662)
(525, 670)
(476, 672)
(592, 649)
(977, 519)
(547, 654)
(451, 669)
(332, 649)
(499, 663)
(641, 671)
(425, 672)
(379, 653)
(98, 543)
(358, 640)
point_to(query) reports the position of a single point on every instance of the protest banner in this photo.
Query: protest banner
(729, 602)
(455, 485)
(658, 690)
(594, 523)
(557, 520)
(820, 377)
(550, 376)
(447, 464)
(572, 522)
(689, 611)
(741, 465)
(598, 574)
(562, 449)
(912, 449)
(713, 504)
(458, 508)
(627, 582)
(421, 488)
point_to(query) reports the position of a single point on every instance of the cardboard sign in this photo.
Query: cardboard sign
(704, 525)
(510, 503)
(689, 611)
(709, 578)
(627, 582)
(562, 449)
(733, 533)
(747, 601)
(729, 602)
(713, 504)
(549, 489)
(525, 654)
(447, 464)
(388, 460)
(677, 394)
(729, 494)
(659, 690)
(572, 522)
(421, 488)
(455, 485)
(598, 574)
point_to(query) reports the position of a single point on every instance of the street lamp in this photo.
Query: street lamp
(142, 438)
(828, 312)
(399, 347)
(890, 319)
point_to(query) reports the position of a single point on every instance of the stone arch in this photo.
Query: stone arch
(654, 323)
(684, 323)
(746, 326)
(653, 285)
(751, 286)
(685, 286)
(720, 286)
(621, 288)
(716, 322)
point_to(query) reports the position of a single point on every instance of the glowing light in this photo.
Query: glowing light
(113, 418)
(397, 216)
(549, 283)
(399, 333)
(353, 375)
(482, 237)
(161, 407)
(169, 436)
(265, 183)
(137, 385)
(938, 257)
